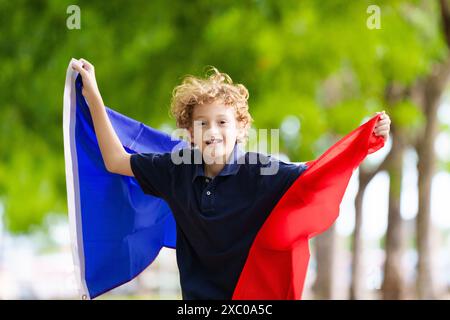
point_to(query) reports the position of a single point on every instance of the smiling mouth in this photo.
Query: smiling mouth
(215, 141)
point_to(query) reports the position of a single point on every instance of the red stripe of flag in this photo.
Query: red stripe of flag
(278, 258)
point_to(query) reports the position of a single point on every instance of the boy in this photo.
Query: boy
(220, 202)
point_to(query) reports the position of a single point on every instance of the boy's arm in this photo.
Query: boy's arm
(116, 159)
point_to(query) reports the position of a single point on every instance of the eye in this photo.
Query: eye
(223, 121)
(200, 123)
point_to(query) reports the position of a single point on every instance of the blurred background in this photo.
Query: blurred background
(314, 69)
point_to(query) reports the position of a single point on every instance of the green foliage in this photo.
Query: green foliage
(407, 115)
(315, 60)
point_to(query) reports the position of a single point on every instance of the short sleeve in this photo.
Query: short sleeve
(279, 175)
(289, 171)
(153, 172)
(292, 167)
(281, 169)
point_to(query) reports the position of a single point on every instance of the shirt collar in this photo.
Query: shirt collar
(230, 168)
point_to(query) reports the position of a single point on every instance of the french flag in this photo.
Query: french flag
(117, 231)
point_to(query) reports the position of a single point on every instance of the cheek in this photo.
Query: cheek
(198, 140)
(231, 136)
(195, 138)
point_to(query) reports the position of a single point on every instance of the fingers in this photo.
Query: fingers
(383, 122)
(77, 65)
(86, 64)
(383, 114)
(384, 118)
(383, 130)
(82, 66)
(384, 127)
(384, 134)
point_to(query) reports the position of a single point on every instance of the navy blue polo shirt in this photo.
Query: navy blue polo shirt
(217, 219)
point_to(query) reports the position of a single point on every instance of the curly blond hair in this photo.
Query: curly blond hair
(215, 86)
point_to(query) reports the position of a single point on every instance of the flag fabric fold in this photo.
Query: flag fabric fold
(116, 230)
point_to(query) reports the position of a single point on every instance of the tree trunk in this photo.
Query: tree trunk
(365, 176)
(355, 286)
(426, 168)
(325, 256)
(393, 282)
(429, 92)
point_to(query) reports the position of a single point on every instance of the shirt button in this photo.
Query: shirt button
(208, 192)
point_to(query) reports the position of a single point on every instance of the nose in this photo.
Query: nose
(212, 132)
(213, 128)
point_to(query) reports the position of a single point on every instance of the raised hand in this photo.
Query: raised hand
(383, 126)
(87, 72)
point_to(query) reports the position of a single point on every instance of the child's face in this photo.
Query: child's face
(215, 130)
